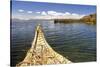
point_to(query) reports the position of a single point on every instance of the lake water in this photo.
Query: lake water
(75, 41)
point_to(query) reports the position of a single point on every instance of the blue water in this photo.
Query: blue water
(75, 41)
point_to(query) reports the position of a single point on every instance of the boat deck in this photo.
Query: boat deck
(41, 52)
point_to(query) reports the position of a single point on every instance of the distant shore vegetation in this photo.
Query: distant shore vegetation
(90, 19)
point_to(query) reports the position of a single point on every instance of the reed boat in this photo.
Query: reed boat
(41, 52)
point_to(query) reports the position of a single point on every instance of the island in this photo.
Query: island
(90, 19)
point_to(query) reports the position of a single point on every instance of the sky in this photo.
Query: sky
(40, 10)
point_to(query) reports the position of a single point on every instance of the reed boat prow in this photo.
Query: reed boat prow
(41, 52)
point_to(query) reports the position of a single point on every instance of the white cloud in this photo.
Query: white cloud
(38, 12)
(67, 13)
(58, 15)
(54, 13)
(51, 12)
(20, 10)
(29, 11)
(43, 13)
(74, 14)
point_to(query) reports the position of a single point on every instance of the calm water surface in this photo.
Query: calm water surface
(75, 41)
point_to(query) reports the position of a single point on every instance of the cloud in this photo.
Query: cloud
(29, 11)
(58, 13)
(55, 13)
(38, 12)
(74, 14)
(51, 12)
(20, 10)
(67, 13)
(43, 13)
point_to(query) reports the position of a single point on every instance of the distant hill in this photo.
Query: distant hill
(89, 19)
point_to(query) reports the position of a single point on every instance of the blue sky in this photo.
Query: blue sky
(24, 8)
